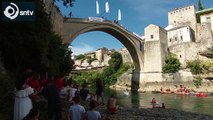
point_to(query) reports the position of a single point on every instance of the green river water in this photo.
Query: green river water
(189, 103)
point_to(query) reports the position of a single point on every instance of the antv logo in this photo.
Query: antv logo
(19, 11)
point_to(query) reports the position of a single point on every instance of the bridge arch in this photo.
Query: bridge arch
(133, 45)
(70, 28)
(74, 28)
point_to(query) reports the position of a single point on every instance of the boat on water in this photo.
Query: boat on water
(182, 93)
(166, 92)
(201, 94)
(155, 91)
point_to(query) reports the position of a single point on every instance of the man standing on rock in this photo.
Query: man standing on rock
(99, 91)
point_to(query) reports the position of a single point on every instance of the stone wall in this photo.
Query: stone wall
(126, 57)
(207, 18)
(186, 52)
(205, 36)
(56, 18)
(163, 45)
(125, 80)
(155, 48)
(151, 81)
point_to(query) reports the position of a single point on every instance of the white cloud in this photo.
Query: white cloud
(83, 48)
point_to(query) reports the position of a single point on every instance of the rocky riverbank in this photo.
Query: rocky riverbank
(148, 114)
(151, 114)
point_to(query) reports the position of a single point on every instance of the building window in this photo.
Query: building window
(175, 38)
(185, 8)
(181, 37)
(208, 19)
(180, 56)
(170, 40)
(168, 50)
(152, 36)
(174, 21)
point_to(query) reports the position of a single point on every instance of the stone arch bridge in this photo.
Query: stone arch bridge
(70, 28)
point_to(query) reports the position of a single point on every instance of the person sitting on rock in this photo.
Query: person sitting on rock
(111, 104)
(163, 105)
(154, 103)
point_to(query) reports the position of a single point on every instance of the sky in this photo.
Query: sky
(135, 16)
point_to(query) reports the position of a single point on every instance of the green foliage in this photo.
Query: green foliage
(108, 75)
(195, 66)
(206, 65)
(198, 17)
(200, 5)
(172, 64)
(91, 60)
(115, 61)
(80, 57)
(198, 81)
(210, 53)
(33, 45)
(124, 67)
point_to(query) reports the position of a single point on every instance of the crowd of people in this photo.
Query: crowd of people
(31, 87)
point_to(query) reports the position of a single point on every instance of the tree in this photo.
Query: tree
(172, 64)
(115, 61)
(80, 57)
(33, 45)
(200, 5)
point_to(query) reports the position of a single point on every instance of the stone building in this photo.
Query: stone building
(78, 62)
(90, 54)
(186, 38)
(107, 57)
(95, 63)
(185, 16)
(206, 16)
(155, 48)
(99, 53)
(183, 36)
(178, 35)
(126, 57)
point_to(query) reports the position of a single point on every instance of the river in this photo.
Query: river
(189, 103)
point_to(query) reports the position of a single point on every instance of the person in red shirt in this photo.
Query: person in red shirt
(34, 82)
(59, 83)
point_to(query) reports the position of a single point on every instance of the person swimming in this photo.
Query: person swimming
(126, 93)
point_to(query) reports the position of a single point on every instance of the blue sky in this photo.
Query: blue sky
(136, 15)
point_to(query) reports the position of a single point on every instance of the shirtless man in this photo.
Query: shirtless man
(111, 104)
